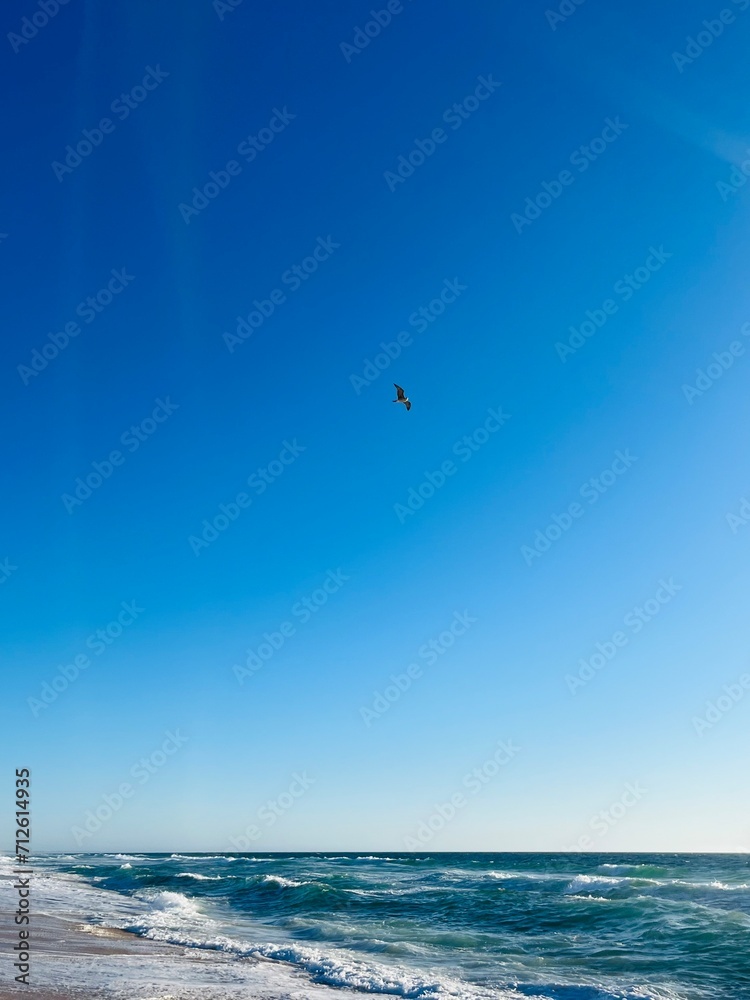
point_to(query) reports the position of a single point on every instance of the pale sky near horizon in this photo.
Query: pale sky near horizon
(220, 527)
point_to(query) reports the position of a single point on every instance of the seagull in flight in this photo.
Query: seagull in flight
(402, 397)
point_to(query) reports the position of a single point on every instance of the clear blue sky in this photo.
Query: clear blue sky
(199, 87)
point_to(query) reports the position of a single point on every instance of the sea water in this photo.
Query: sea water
(469, 926)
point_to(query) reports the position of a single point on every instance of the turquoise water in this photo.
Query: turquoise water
(550, 926)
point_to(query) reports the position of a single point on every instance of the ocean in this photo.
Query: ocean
(434, 926)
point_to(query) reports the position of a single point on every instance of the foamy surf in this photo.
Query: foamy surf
(429, 928)
(202, 878)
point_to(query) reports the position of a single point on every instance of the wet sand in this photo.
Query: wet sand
(75, 961)
(60, 943)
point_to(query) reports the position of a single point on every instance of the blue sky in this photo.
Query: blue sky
(191, 415)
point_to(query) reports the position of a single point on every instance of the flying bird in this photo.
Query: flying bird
(401, 397)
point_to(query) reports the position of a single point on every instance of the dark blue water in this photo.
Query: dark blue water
(554, 926)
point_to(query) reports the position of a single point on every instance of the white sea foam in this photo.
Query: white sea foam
(624, 864)
(281, 880)
(531, 876)
(635, 871)
(168, 901)
(170, 916)
(340, 970)
(582, 882)
(174, 919)
(723, 886)
(200, 857)
(204, 878)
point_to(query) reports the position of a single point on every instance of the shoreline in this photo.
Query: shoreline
(226, 928)
(67, 954)
(59, 940)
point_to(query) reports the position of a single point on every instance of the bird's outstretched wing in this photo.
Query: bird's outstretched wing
(407, 404)
(399, 391)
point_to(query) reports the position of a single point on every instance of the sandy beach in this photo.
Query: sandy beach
(328, 927)
(69, 947)
(69, 956)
